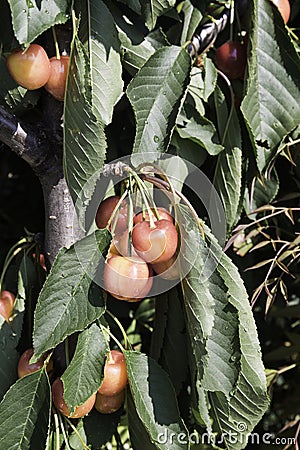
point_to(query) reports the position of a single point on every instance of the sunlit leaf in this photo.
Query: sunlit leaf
(225, 358)
(30, 19)
(155, 400)
(69, 300)
(25, 427)
(152, 9)
(155, 94)
(83, 376)
(271, 106)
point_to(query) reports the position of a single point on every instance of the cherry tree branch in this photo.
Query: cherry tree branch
(27, 142)
(32, 144)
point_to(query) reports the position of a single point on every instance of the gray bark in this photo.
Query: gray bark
(45, 158)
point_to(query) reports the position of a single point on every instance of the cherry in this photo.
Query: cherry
(29, 68)
(42, 260)
(105, 211)
(169, 270)
(231, 58)
(109, 404)
(284, 8)
(122, 244)
(59, 402)
(115, 374)
(56, 84)
(155, 244)
(162, 212)
(7, 301)
(24, 366)
(127, 277)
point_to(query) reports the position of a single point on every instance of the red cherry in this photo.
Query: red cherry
(231, 58)
(30, 68)
(42, 260)
(109, 404)
(7, 301)
(24, 366)
(157, 244)
(162, 212)
(115, 374)
(56, 84)
(127, 278)
(284, 8)
(60, 404)
(122, 244)
(105, 211)
(168, 270)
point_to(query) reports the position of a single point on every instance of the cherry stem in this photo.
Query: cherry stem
(62, 426)
(118, 441)
(127, 344)
(77, 433)
(14, 251)
(57, 433)
(129, 224)
(143, 189)
(227, 81)
(57, 52)
(166, 187)
(114, 216)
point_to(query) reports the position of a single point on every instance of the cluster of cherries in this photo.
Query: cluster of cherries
(109, 397)
(231, 57)
(32, 69)
(134, 254)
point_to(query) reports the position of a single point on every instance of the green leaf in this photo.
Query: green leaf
(155, 94)
(94, 86)
(225, 357)
(83, 376)
(199, 129)
(25, 413)
(228, 172)
(95, 429)
(228, 123)
(202, 85)
(69, 300)
(99, 36)
(176, 170)
(139, 437)
(228, 182)
(135, 55)
(152, 9)
(84, 137)
(210, 77)
(9, 357)
(136, 45)
(192, 18)
(30, 19)
(189, 150)
(155, 400)
(273, 68)
(168, 340)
